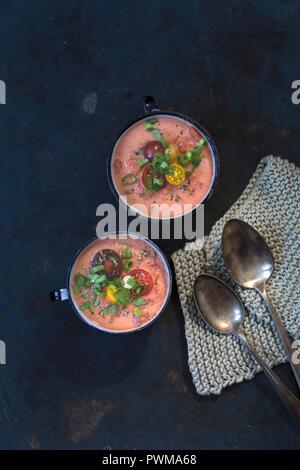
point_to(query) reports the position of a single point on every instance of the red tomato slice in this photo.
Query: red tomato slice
(144, 278)
(145, 173)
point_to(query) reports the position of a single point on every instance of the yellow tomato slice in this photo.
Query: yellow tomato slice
(110, 294)
(173, 151)
(178, 175)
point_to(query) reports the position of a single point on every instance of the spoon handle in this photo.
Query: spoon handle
(288, 398)
(291, 354)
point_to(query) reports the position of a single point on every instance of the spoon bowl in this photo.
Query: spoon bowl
(219, 306)
(246, 254)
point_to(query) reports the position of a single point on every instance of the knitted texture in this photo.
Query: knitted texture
(271, 204)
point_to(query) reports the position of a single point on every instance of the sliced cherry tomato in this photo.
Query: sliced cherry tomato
(178, 175)
(111, 261)
(148, 173)
(152, 147)
(144, 278)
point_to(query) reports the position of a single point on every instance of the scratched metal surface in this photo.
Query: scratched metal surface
(75, 74)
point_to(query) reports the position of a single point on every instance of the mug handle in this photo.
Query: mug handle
(150, 104)
(60, 294)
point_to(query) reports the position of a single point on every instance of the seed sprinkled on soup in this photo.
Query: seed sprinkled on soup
(162, 161)
(119, 284)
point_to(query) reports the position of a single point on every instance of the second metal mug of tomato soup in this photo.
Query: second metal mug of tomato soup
(65, 293)
(152, 109)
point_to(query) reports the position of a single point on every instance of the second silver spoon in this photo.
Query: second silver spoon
(222, 310)
(250, 263)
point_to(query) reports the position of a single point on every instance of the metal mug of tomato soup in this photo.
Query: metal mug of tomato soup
(118, 284)
(163, 165)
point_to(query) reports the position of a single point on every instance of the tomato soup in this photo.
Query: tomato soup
(120, 284)
(160, 163)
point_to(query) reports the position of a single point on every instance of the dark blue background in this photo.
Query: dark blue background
(228, 64)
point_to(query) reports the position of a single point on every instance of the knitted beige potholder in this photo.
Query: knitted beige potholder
(271, 204)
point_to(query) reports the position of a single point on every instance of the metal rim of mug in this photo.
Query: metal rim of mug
(167, 269)
(188, 119)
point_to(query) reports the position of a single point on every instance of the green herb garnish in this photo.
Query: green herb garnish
(160, 164)
(123, 296)
(183, 159)
(117, 282)
(98, 292)
(86, 305)
(75, 289)
(150, 122)
(110, 309)
(156, 133)
(142, 162)
(126, 253)
(132, 282)
(138, 289)
(137, 312)
(139, 301)
(97, 269)
(82, 282)
(154, 183)
(194, 155)
(97, 279)
(127, 265)
(128, 179)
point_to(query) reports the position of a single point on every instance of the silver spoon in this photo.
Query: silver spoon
(222, 310)
(251, 263)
